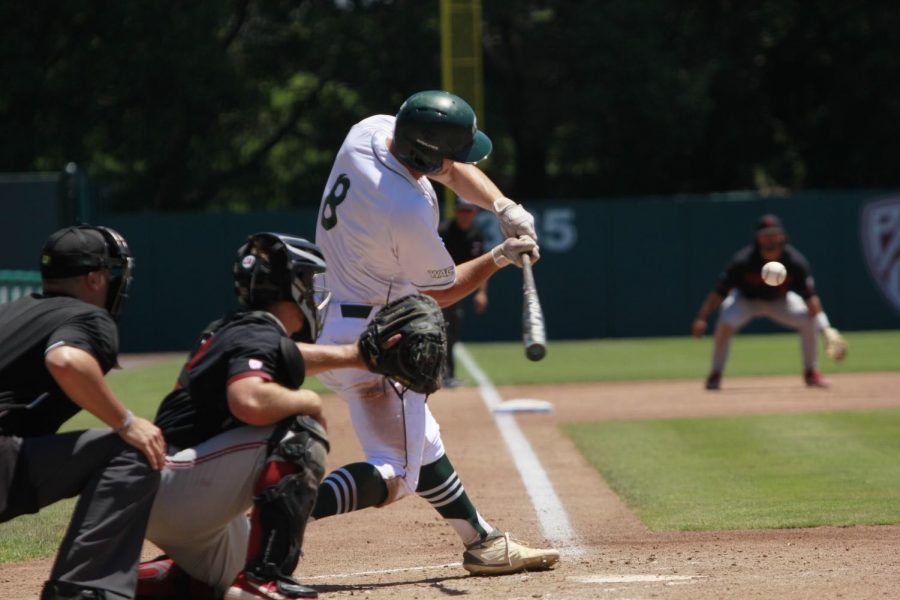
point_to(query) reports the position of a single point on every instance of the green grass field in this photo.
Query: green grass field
(752, 472)
(676, 358)
(575, 361)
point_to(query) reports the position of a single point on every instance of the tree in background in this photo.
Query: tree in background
(242, 104)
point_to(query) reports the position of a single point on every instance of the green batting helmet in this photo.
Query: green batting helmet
(435, 125)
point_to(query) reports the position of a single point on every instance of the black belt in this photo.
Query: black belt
(356, 311)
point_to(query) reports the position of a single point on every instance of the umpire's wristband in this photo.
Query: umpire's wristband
(129, 418)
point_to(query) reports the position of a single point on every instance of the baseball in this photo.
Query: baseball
(773, 273)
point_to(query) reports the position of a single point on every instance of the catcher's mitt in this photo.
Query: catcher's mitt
(417, 360)
(835, 344)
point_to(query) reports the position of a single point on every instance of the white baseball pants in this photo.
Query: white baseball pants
(398, 435)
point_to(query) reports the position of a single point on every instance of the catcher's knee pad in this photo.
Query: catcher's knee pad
(284, 506)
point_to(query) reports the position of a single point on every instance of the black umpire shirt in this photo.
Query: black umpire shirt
(744, 272)
(463, 246)
(244, 344)
(31, 402)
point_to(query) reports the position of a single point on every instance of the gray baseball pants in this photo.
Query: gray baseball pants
(790, 311)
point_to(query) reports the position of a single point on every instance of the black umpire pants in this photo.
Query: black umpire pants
(102, 546)
(453, 315)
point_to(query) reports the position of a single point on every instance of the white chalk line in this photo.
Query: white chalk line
(635, 578)
(384, 571)
(554, 520)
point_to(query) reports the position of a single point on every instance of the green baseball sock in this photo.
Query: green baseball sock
(352, 487)
(441, 486)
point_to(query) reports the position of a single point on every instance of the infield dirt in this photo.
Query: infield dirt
(405, 551)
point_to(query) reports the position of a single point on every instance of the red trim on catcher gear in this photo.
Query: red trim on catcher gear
(273, 472)
(261, 374)
(162, 578)
(171, 463)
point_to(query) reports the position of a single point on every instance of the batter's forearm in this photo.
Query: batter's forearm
(470, 276)
(320, 358)
(469, 182)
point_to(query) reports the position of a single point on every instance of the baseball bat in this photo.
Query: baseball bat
(533, 332)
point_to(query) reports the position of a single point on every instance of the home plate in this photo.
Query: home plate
(632, 578)
(524, 405)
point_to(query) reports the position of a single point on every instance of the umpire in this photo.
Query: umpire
(55, 348)
(464, 242)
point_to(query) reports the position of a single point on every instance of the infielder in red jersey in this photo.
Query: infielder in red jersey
(744, 295)
(377, 228)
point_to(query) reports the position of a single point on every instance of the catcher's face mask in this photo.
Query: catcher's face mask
(313, 298)
(272, 266)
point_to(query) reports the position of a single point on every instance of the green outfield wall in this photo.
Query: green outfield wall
(609, 268)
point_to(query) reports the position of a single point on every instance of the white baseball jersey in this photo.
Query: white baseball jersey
(377, 225)
(377, 228)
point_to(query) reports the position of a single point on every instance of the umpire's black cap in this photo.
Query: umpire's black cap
(769, 224)
(74, 251)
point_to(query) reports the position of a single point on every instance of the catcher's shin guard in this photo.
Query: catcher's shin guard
(286, 494)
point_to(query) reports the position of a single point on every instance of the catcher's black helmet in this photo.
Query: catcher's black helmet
(81, 249)
(273, 266)
(435, 125)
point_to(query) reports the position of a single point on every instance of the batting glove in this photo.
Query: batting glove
(515, 221)
(512, 249)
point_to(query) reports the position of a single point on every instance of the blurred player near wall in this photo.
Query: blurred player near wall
(743, 296)
(464, 242)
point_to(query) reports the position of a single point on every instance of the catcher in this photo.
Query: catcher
(743, 295)
(243, 434)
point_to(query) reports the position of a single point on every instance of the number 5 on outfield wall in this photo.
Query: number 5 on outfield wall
(555, 227)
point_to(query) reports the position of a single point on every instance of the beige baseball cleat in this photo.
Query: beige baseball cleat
(499, 554)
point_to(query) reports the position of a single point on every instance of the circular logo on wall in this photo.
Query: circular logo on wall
(880, 236)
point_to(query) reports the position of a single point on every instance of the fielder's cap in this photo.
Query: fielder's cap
(74, 251)
(769, 224)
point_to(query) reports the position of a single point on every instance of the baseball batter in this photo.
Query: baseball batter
(377, 228)
(743, 295)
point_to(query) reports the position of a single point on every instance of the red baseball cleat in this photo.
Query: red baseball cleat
(813, 378)
(162, 579)
(248, 587)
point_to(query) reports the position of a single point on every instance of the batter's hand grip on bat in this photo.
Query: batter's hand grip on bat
(533, 332)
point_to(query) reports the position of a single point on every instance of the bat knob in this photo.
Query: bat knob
(535, 352)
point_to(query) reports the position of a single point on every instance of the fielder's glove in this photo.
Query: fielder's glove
(417, 360)
(835, 344)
